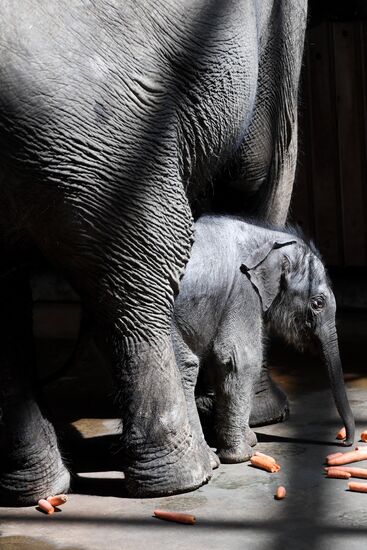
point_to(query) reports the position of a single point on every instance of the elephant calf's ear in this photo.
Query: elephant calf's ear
(264, 268)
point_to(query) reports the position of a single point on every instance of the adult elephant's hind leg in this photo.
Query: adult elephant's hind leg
(30, 463)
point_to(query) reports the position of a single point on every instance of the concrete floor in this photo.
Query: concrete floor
(236, 510)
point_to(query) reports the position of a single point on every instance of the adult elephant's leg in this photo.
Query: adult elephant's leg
(125, 258)
(279, 73)
(262, 174)
(30, 463)
(164, 455)
(270, 403)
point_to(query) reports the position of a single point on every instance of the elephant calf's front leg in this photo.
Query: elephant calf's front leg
(188, 364)
(234, 389)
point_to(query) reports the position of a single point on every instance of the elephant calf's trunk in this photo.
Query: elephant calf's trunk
(332, 359)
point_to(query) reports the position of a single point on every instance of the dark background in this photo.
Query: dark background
(330, 194)
(330, 198)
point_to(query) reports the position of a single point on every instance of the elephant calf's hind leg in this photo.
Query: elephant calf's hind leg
(270, 404)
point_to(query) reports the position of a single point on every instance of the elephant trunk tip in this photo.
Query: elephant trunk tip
(349, 440)
(350, 434)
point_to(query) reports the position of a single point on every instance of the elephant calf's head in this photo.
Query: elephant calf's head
(299, 304)
(294, 289)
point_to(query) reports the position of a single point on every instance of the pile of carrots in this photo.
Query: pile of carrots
(336, 464)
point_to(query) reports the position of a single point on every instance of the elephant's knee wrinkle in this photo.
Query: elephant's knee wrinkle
(226, 359)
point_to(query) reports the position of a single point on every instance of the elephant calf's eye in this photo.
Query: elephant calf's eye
(317, 303)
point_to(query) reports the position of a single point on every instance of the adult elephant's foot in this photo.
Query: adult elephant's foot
(33, 470)
(207, 451)
(164, 455)
(27, 483)
(270, 404)
(184, 469)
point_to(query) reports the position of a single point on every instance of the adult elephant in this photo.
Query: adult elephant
(119, 120)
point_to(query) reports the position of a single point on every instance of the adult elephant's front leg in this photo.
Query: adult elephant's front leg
(127, 269)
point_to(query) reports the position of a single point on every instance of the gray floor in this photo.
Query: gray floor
(236, 510)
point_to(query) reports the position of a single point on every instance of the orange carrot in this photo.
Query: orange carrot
(178, 517)
(264, 464)
(346, 458)
(364, 436)
(354, 472)
(57, 500)
(358, 487)
(280, 493)
(342, 434)
(46, 506)
(270, 458)
(338, 474)
(362, 449)
(333, 455)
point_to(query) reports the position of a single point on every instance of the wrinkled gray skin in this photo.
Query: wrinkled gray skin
(119, 120)
(241, 281)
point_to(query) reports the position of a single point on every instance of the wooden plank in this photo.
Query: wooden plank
(362, 59)
(350, 137)
(324, 140)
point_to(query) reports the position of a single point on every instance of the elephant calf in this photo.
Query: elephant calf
(240, 280)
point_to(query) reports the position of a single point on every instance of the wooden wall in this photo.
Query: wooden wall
(330, 197)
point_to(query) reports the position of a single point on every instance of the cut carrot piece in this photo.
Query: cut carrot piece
(346, 458)
(364, 436)
(333, 455)
(358, 487)
(57, 500)
(354, 472)
(46, 506)
(280, 493)
(264, 464)
(268, 457)
(178, 517)
(342, 434)
(338, 474)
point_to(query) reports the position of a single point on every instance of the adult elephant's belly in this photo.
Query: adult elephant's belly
(87, 96)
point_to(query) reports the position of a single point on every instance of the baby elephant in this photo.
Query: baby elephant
(240, 279)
